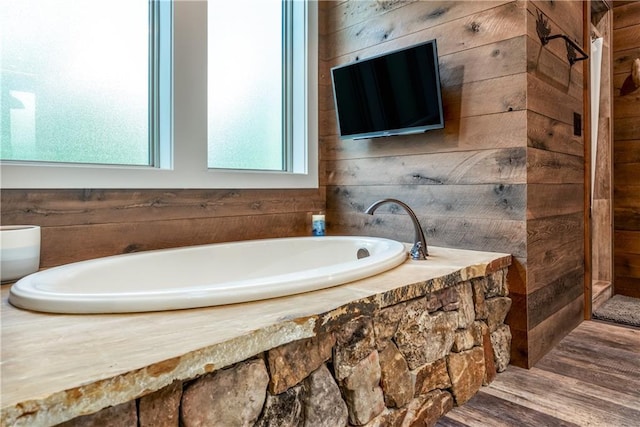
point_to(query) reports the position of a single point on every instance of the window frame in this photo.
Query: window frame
(181, 161)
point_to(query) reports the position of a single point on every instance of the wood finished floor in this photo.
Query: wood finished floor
(591, 378)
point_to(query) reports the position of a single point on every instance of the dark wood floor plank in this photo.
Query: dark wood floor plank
(608, 335)
(491, 410)
(591, 378)
(621, 362)
(595, 375)
(557, 398)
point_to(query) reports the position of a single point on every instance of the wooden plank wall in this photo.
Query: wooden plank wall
(555, 177)
(506, 174)
(84, 224)
(626, 127)
(467, 182)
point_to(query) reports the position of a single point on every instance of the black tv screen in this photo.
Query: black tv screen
(390, 94)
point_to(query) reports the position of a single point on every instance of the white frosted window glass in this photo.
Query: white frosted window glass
(74, 81)
(245, 85)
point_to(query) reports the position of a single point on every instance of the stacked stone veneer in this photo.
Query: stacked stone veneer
(403, 364)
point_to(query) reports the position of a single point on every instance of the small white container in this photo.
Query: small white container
(19, 251)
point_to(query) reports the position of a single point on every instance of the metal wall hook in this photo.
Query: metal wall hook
(544, 30)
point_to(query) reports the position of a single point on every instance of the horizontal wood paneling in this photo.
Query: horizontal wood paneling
(502, 92)
(65, 244)
(476, 27)
(627, 106)
(627, 241)
(626, 128)
(497, 95)
(543, 337)
(546, 301)
(555, 180)
(405, 26)
(548, 167)
(488, 201)
(549, 62)
(627, 151)
(83, 224)
(627, 37)
(629, 286)
(466, 167)
(548, 134)
(565, 17)
(627, 264)
(623, 59)
(626, 48)
(491, 235)
(469, 133)
(548, 101)
(352, 13)
(547, 267)
(548, 200)
(626, 15)
(85, 207)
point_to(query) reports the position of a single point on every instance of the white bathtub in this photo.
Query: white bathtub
(208, 275)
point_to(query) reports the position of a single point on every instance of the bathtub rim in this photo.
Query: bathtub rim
(24, 295)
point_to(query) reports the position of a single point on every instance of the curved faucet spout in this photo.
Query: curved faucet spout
(419, 250)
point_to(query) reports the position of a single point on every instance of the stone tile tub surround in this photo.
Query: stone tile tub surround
(363, 353)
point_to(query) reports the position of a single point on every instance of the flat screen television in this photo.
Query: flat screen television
(394, 93)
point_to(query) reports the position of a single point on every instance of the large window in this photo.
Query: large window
(137, 94)
(74, 82)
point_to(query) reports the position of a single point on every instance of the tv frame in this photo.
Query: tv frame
(398, 131)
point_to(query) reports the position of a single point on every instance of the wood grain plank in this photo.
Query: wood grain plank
(549, 332)
(467, 133)
(413, 19)
(545, 200)
(488, 201)
(505, 166)
(562, 17)
(485, 62)
(564, 363)
(433, 13)
(629, 286)
(627, 37)
(622, 60)
(65, 244)
(497, 95)
(553, 393)
(548, 101)
(549, 134)
(587, 376)
(552, 70)
(626, 15)
(485, 409)
(82, 207)
(553, 249)
(627, 106)
(627, 241)
(548, 267)
(554, 48)
(468, 233)
(553, 168)
(545, 301)
(627, 174)
(626, 264)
